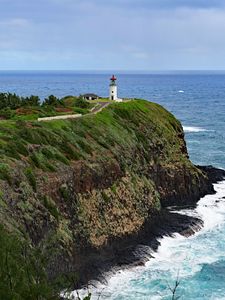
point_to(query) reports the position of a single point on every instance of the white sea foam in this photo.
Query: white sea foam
(211, 208)
(194, 129)
(181, 91)
(178, 253)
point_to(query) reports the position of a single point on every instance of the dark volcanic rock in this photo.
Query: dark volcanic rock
(137, 249)
(214, 174)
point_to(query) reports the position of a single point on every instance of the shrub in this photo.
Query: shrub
(11, 151)
(54, 154)
(31, 101)
(36, 160)
(105, 197)
(80, 102)
(7, 113)
(47, 151)
(40, 161)
(8, 100)
(82, 111)
(60, 157)
(64, 191)
(5, 172)
(52, 101)
(113, 188)
(31, 178)
(23, 271)
(70, 151)
(14, 148)
(51, 207)
(26, 190)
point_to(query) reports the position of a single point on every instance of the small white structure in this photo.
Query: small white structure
(113, 90)
(90, 97)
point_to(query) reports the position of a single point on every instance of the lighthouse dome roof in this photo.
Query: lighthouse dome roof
(113, 78)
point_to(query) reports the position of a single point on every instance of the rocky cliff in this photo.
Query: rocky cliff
(85, 189)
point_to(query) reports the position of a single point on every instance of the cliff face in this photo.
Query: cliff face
(78, 188)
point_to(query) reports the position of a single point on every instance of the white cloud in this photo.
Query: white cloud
(88, 34)
(16, 22)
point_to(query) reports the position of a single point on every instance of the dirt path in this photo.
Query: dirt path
(99, 107)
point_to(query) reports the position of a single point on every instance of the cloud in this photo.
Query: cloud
(147, 4)
(118, 34)
(16, 22)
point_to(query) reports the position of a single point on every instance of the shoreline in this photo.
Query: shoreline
(136, 250)
(173, 256)
(138, 254)
(121, 279)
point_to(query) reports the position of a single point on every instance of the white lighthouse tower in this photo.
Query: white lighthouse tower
(113, 90)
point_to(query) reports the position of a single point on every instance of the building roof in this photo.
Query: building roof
(113, 78)
(91, 95)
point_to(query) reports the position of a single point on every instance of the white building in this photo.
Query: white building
(90, 97)
(113, 90)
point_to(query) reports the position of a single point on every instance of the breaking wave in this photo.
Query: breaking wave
(194, 129)
(200, 267)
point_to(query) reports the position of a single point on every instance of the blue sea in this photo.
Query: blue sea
(198, 101)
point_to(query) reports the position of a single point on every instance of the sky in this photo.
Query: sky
(146, 35)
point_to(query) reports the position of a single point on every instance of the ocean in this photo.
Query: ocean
(198, 101)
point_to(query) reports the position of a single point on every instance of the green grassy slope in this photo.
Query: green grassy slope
(68, 185)
(119, 127)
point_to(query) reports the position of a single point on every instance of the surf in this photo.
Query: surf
(194, 129)
(187, 257)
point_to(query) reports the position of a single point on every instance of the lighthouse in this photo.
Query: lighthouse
(113, 88)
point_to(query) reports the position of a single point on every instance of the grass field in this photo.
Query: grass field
(101, 100)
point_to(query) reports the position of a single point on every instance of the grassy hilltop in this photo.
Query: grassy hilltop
(44, 145)
(71, 187)
(14, 107)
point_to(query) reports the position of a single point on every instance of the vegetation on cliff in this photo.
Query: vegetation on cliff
(74, 187)
(14, 107)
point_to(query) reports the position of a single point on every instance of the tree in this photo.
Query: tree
(80, 102)
(13, 100)
(31, 101)
(52, 101)
(7, 113)
(22, 271)
(8, 100)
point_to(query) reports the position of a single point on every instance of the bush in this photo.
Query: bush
(105, 197)
(52, 101)
(31, 101)
(40, 161)
(31, 178)
(51, 207)
(64, 191)
(82, 111)
(8, 100)
(69, 150)
(22, 271)
(80, 102)
(5, 172)
(54, 154)
(7, 113)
